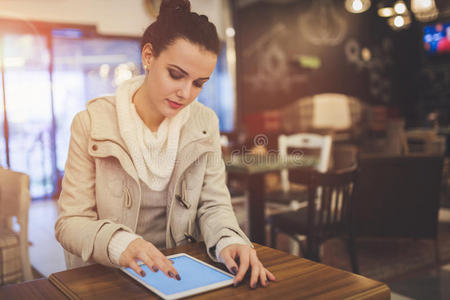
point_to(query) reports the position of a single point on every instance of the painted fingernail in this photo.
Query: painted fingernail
(178, 277)
(142, 273)
(234, 270)
(170, 274)
(155, 269)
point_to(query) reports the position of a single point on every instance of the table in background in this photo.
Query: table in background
(297, 278)
(253, 168)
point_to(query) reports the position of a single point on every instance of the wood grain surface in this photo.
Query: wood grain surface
(39, 289)
(297, 278)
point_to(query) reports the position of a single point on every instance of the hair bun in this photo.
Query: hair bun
(174, 7)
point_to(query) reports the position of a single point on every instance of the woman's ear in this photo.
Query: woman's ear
(147, 56)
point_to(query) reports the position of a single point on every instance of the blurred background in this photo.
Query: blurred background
(372, 75)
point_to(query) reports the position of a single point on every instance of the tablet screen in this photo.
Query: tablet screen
(194, 275)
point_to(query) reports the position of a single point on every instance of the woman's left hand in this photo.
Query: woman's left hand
(247, 257)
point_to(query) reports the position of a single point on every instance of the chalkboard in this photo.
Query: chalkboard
(290, 49)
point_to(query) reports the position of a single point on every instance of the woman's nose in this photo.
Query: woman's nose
(184, 90)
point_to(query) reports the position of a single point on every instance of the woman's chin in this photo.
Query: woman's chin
(170, 113)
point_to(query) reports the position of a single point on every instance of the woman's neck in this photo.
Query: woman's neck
(151, 117)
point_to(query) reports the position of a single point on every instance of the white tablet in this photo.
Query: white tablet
(196, 277)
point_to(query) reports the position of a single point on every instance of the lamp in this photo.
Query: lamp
(424, 10)
(357, 6)
(399, 22)
(331, 111)
(400, 7)
(385, 10)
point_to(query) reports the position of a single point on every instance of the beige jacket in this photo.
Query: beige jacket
(101, 192)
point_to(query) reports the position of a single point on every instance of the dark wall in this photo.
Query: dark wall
(270, 37)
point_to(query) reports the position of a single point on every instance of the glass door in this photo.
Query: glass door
(28, 107)
(86, 68)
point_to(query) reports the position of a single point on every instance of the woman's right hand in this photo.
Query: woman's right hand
(140, 249)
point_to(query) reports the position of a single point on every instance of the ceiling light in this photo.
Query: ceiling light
(357, 6)
(399, 22)
(424, 10)
(385, 9)
(400, 7)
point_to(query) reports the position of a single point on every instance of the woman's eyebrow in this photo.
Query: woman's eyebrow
(186, 73)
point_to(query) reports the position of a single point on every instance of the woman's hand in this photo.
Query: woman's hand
(149, 255)
(246, 256)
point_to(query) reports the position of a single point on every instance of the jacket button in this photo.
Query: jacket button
(94, 147)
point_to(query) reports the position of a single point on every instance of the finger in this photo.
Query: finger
(133, 265)
(229, 262)
(167, 268)
(263, 277)
(163, 263)
(149, 262)
(244, 257)
(270, 275)
(256, 267)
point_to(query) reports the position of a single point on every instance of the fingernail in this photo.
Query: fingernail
(234, 270)
(170, 274)
(236, 284)
(253, 286)
(155, 269)
(142, 273)
(178, 277)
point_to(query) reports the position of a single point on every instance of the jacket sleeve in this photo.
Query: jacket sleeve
(78, 228)
(215, 213)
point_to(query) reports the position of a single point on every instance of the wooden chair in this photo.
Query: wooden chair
(294, 194)
(14, 202)
(326, 216)
(398, 197)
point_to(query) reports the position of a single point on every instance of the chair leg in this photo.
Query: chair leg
(302, 248)
(436, 250)
(353, 256)
(273, 236)
(312, 251)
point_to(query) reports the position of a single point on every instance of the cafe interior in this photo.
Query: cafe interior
(334, 119)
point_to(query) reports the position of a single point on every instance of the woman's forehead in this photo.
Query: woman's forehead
(192, 58)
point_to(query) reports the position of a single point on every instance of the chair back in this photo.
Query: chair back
(329, 200)
(304, 141)
(398, 196)
(14, 197)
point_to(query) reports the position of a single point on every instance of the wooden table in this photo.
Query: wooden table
(253, 168)
(297, 278)
(40, 289)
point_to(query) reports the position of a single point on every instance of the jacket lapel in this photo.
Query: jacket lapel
(195, 139)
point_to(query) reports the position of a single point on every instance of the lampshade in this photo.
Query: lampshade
(357, 6)
(331, 111)
(399, 22)
(400, 7)
(424, 10)
(385, 9)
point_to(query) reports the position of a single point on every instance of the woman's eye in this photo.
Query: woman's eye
(175, 74)
(198, 84)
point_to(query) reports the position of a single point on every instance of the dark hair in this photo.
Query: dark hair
(176, 20)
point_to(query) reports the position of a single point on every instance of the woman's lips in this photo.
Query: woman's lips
(173, 104)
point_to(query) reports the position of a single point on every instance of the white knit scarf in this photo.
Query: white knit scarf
(153, 154)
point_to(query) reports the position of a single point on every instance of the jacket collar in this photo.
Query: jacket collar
(104, 124)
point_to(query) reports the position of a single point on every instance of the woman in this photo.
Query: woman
(144, 170)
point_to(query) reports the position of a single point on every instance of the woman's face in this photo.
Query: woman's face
(175, 78)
